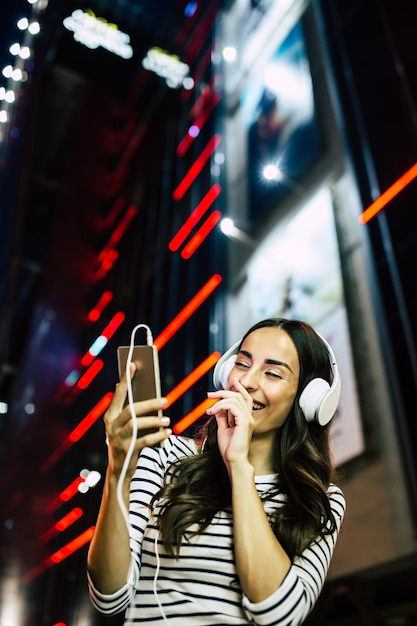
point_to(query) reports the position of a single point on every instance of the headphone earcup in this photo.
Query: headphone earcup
(318, 401)
(222, 371)
(224, 367)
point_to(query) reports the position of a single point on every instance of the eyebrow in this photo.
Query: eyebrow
(268, 361)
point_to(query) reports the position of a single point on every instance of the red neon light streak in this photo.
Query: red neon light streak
(201, 101)
(72, 546)
(194, 218)
(201, 68)
(113, 325)
(108, 332)
(55, 456)
(107, 263)
(61, 554)
(388, 195)
(213, 219)
(206, 112)
(114, 212)
(87, 359)
(90, 374)
(98, 309)
(90, 418)
(202, 118)
(68, 519)
(62, 524)
(192, 377)
(196, 167)
(184, 144)
(192, 416)
(119, 231)
(78, 432)
(70, 491)
(188, 310)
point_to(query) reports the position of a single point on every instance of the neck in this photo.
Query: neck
(260, 454)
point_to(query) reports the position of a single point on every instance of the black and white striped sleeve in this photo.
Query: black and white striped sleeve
(290, 604)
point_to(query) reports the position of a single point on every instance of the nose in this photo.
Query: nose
(250, 378)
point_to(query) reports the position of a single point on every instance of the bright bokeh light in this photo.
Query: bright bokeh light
(194, 131)
(190, 9)
(34, 28)
(17, 74)
(23, 23)
(24, 52)
(98, 345)
(9, 96)
(271, 172)
(7, 71)
(229, 54)
(188, 83)
(227, 226)
(12, 600)
(3, 117)
(14, 49)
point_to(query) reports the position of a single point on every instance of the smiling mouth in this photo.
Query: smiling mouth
(257, 406)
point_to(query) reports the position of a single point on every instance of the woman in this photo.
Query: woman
(238, 530)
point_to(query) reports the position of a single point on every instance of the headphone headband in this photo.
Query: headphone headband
(318, 400)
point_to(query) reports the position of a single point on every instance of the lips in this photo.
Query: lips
(257, 406)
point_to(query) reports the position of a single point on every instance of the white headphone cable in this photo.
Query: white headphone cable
(155, 578)
(149, 341)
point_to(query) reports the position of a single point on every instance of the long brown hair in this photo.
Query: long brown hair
(199, 486)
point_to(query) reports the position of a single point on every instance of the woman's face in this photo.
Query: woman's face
(268, 367)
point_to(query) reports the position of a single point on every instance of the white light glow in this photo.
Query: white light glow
(7, 71)
(23, 23)
(271, 172)
(24, 52)
(94, 32)
(34, 28)
(11, 597)
(227, 226)
(17, 74)
(14, 49)
(98, 345)
(167, 66)
(229, 54)
(91, 478)
(9, 96)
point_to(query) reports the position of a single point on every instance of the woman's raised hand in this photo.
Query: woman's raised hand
(118, 424)
(235, 422)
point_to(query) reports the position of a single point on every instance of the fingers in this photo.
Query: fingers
(152, 438)
(150, 430)
(119, 396)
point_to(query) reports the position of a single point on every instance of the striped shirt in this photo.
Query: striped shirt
(201, 587)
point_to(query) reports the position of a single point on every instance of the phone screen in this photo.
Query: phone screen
(146, 383)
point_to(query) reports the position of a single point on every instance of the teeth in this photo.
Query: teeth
(256, 406)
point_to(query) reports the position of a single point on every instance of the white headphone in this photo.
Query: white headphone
(318, 401)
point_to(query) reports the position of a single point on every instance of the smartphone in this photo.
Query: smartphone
(146, 382)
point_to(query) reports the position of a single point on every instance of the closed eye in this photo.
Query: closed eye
(242, 364)
(273, 374)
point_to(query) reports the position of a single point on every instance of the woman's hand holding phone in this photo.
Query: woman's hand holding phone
(151, 426)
